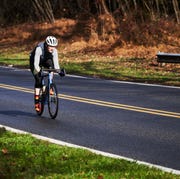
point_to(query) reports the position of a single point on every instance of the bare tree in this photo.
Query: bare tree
(176, 9)
(43, 10)
(17, 11)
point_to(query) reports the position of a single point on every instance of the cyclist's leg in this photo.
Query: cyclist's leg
(38, 83)
(38, 79)
(49, 64)
(37, 88)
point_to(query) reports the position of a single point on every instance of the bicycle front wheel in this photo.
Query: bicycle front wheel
(53, 102)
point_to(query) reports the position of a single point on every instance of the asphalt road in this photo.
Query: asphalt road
(132, 120)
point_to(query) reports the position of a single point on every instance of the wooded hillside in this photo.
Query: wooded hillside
(113, 23)
(36, 10)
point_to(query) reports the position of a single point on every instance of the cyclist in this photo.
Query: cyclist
(45, 55)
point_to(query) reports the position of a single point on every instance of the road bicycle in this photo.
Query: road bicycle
(48, 94)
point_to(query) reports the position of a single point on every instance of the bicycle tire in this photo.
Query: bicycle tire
(41, 102)
(53, 102)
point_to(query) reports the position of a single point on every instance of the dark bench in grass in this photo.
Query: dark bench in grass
(168, 57)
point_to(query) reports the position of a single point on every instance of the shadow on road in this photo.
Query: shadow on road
(16, 113)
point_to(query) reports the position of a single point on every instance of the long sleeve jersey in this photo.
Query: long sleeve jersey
(39, 57)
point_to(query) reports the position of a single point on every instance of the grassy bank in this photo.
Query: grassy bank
(108, 67)
(23, 156)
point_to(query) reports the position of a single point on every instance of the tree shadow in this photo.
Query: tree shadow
(18, 113)
(15, 113)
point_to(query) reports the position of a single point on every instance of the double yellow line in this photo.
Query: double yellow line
(101, 103)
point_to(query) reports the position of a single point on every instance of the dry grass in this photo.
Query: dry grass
(129, 49)
(141, 41)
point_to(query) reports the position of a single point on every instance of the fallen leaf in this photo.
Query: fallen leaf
(4, 151)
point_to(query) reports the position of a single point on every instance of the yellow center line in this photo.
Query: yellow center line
(101, 103)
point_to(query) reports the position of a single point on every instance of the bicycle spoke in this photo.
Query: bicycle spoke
(53, 101)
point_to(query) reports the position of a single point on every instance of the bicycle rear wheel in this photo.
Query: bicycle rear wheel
(41, 103)
(53, 102)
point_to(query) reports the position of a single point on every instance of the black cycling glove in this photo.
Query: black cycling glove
(62, 72)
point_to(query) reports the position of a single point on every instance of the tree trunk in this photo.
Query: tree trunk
(176, 9)
(102, 9)
(43, 10)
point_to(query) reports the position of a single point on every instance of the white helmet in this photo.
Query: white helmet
(51, 41)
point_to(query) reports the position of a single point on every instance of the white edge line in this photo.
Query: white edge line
(113, 81)
(145, 84)
(58, 142)
(77, 76)
(126, 82)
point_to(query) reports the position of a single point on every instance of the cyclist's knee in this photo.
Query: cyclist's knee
(38, 85)
(38, 81)
(49, 63)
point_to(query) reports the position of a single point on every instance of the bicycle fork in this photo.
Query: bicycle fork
(46, 89)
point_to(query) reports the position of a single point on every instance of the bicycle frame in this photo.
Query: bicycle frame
(46, 96)
(50, 79)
